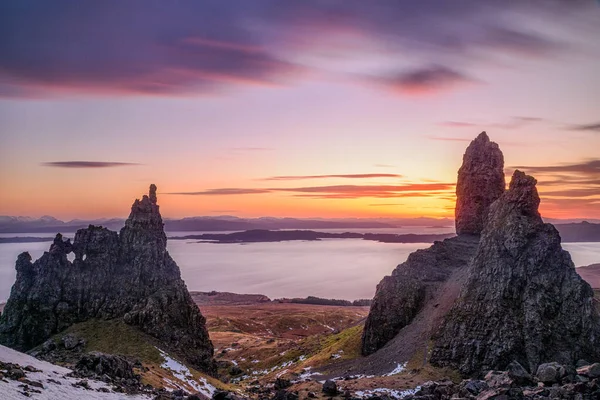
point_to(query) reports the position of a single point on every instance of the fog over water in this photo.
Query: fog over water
(335, 268)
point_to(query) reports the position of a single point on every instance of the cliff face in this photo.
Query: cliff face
(523, 299)
(480, 182)
(129, 275)
(414, 283)
(401, 296)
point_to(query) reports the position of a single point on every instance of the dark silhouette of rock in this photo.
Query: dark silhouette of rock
(128, 275)
(401, 296)
(523, 299)
(480, 183)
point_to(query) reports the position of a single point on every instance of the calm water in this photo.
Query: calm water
(336, 268)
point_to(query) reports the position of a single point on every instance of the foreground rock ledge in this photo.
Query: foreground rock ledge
(127, 275)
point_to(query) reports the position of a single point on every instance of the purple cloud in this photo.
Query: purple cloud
(426, 80)
(86, 164)
(133, 47)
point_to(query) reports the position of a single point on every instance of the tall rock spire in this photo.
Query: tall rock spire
(480, 183)
(128, 276)
(523, 299)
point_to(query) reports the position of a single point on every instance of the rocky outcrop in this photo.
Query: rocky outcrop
(480, 183)
(515, 383)
(523, 299)
(401, 296)
(128, 275)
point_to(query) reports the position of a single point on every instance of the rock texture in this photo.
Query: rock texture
(128, 275)
(523, 299)
(401, 296)
(480, 183)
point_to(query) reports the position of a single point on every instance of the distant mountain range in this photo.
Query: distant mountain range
(48, 224)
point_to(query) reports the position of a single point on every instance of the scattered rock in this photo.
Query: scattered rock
(590, 371)
(330, 388)
(281, 383)
(105, 367)
(517, 373)
(71, 341)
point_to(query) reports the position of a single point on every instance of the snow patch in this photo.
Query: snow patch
(399, 368)
(10, 390)
(183, 373)
(395, 393)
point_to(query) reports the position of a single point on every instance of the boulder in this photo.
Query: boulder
(330, 388)
(550, 373)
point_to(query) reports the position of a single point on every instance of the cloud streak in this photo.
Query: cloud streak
(222, 192)
(63, 47)
(426, 80)
(342, 176)
(86, 164)
(587, 127)
(338, 191)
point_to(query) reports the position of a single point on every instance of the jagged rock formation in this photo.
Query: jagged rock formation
(129, 275)
(523, 299)
(401, 296)
(480, 183)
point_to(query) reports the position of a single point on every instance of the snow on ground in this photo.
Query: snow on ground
(399, 368)
(63, 390)
(395, 393)
(306, 374)
(183, 373)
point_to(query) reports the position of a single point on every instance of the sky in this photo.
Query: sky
(337, 108)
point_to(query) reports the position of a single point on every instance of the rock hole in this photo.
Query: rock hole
(71, 257)
(84, 257)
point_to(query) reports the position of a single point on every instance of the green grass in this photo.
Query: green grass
(116, 337)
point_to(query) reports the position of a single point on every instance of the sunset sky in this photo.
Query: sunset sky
(336, 108)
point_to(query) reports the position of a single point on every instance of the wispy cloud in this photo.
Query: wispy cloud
(427, 79)
(586, 127)
(222, 192)
(586, 167)
(510, 123)
(183, 48)
(448, 139)
(338, 191)
(86, 164)
(343, 176)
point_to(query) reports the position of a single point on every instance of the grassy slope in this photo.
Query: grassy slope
(116, 337)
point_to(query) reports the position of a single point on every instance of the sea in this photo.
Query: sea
(332, 268)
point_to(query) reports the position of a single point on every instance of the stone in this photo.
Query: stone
(330, 388)
(518, 373)
(281, 383)
(550, 372)
(71, 341)
(480, 183)
(128, 276)
(523, 300)
(99, 365)
(591, 371)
